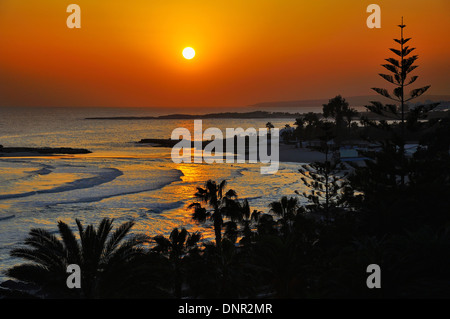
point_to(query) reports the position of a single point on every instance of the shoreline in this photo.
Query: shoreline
(288, 153)
(291, 154)
(40, 151)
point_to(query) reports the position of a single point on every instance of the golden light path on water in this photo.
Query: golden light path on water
(147, 208)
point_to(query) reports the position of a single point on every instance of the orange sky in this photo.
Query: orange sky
(248, 51)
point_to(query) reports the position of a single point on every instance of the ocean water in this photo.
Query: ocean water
(120, 179)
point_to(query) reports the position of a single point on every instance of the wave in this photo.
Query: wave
(108, 175)
(160, 183)
(158, 208)
(7, 217)
(250, 198)
(45, 170)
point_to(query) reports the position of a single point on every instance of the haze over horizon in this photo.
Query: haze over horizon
(246, 52)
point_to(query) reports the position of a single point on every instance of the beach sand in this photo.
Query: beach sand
(290, 153)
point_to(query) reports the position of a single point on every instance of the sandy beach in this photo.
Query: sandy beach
(290, 153)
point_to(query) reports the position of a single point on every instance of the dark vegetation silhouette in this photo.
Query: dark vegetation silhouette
(176, 248)
(393, 210)
(104, 256)
(400, 69)
(222, 204)
(338, 108)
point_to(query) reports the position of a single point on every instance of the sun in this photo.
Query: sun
(188, 53)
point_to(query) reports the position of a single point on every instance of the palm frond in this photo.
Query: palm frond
(80, 226)
(70, 242)
(117, 236)
(103, 230)
(230, 193)
(193, 239)
(162, 244)
(31, 273)
(39, 256)
(200, 214)
(129, 249)
(221, 188)
(41, 238)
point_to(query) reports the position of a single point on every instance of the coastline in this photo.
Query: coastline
(288, 153)
(40, 151)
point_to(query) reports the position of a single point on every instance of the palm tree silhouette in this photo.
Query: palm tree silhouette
(286, 209)
(222, 204)
(101, 254)
(338, 108)
(179, 244)
(349, 114)
(311, 119)
(247, 218)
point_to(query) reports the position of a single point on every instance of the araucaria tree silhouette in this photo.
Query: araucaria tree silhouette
(400, 69)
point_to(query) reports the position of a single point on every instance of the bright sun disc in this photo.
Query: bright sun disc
(188, 53)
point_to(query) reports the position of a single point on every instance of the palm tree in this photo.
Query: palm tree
(338, 108)
(222, 204)
(269, 126)
(286, 209)
(349, 114)
(247, 219)
(299, 130)
(279, 263)
(311, 119)
(177, 246)
(312, 124)
(101, 254)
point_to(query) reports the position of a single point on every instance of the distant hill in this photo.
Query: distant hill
(282, 109)
(224, 115)
(354, 101)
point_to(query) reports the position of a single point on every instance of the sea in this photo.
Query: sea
(120, 179)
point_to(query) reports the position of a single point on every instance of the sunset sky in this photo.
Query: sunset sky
(129, 53)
